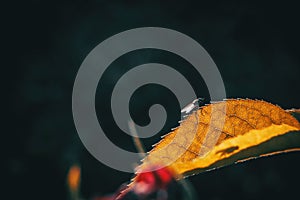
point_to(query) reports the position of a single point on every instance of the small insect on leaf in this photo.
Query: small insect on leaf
(192, 106)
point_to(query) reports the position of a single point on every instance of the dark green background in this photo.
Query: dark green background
(255, 45)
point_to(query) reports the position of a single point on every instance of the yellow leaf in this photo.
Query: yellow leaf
(223, 133)
(234, 147)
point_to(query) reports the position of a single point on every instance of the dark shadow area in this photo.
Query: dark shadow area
(255, 45)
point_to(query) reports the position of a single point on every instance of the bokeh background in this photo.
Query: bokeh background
(255, 45)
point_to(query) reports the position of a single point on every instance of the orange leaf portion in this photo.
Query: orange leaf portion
(234, 146)
(223, 133)
(73, 178)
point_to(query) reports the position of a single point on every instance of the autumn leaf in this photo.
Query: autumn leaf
(224, 133)
(73, 181)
